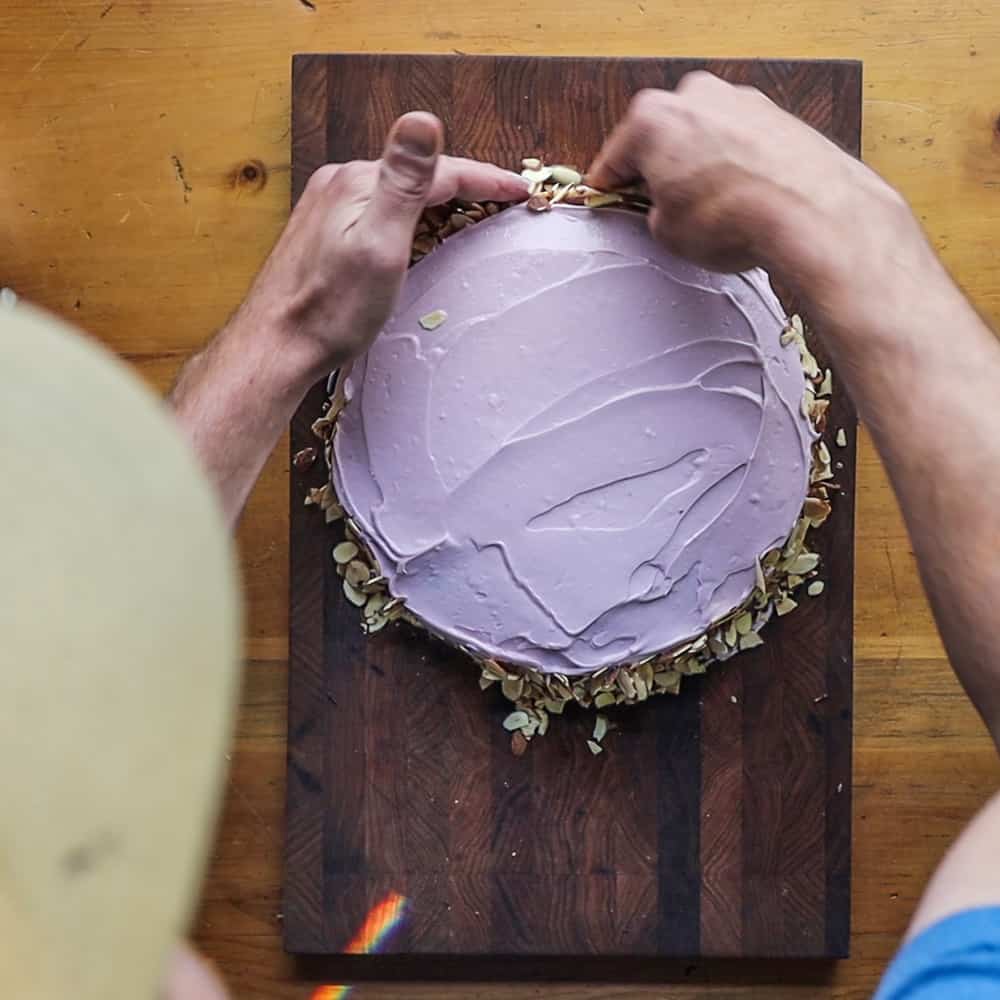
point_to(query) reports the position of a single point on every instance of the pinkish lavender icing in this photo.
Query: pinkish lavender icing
(579, 467)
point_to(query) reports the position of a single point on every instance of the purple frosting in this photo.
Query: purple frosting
(580, 466)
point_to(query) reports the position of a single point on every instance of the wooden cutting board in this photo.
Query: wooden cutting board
(717, 822)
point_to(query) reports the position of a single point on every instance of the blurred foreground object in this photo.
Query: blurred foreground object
(119, 655)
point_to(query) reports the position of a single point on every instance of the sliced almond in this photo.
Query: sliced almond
(566, 175)
(344, 553)
(605, 699)
(816, 510)
(750, 640)
(668, 681)
(795, 539)
(394, 609)
(784, 605)
(516, 720)
(493, 669)
(603, 200)
(809, 365)
(537, 175)
(646, 671)
(355, 596)
(731, 635)
(512, 687)
(433, 320)
(744, 623)
(375, 604)
(600, 728)
(375, 624)
(815, 588)
(807, 402)
(841, 438)
(357, 573)
(595, 748)
(627, 684)
(560, 194)
(804, 563)
(717, 645)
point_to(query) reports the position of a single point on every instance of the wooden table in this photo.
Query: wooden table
(144, 172)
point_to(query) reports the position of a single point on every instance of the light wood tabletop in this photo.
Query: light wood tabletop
(144, 174)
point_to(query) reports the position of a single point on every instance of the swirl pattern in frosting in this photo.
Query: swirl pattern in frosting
(581, 465)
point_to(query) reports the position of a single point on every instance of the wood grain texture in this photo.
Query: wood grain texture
(719, 822)
(94, 225)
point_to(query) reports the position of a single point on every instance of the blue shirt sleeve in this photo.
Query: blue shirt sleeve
(957, 959)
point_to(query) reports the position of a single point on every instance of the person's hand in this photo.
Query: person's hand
(321, 298)
(736, 182)
(332, 280)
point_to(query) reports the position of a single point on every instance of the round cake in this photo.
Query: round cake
(569, 450)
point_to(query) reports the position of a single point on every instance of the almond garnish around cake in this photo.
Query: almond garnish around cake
(535, 694)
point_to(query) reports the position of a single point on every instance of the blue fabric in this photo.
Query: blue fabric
(957, 959)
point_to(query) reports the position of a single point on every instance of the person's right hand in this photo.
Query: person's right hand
(736, 182)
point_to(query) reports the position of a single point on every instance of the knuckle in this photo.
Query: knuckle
(648, 107)
(377, 253)
(404, 179)
(321, 177)
(698, 83)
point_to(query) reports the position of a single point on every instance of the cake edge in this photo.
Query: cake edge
(536, 696)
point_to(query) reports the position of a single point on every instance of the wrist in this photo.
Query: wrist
(853, 254)
(269, 342)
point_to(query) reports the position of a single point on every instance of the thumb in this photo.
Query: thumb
(405, 175)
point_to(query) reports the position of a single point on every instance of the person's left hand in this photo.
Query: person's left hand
(332, 280)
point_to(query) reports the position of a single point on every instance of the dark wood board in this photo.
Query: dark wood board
(719, 822)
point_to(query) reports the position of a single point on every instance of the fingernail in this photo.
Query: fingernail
(417, 135)
(514, 176)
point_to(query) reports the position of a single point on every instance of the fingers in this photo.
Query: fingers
(405, 175)
(471, 180)
(620, 161)
(615, 165)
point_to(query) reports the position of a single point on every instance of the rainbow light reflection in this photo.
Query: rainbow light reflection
(381, 921)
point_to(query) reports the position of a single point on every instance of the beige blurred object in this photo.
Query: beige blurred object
(119, 643)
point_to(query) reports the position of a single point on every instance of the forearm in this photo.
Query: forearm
(235, 398)
(924, 370)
